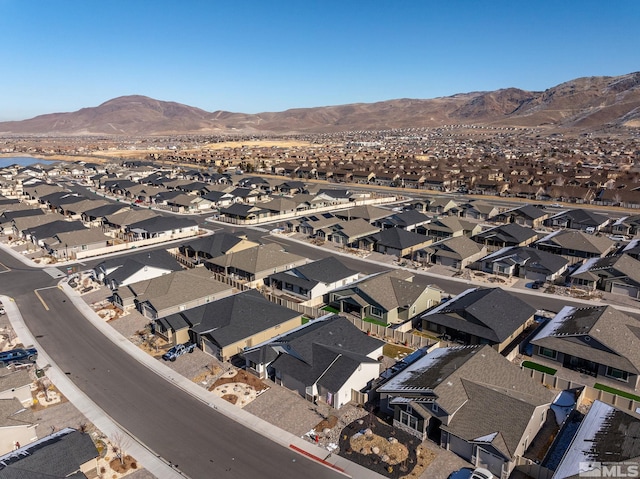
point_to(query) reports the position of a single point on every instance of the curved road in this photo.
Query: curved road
(186, 432)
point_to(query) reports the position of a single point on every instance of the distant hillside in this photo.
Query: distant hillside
(585, 103)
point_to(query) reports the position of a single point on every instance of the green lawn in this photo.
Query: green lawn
(611, 390)
(375, 321)
(305, 320)
(330, 309)
(539, 367)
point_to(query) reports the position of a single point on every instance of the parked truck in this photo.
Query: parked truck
(178, 350)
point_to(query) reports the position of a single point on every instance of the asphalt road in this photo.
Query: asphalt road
(195, 438)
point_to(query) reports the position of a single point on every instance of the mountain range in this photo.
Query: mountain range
(584, 104)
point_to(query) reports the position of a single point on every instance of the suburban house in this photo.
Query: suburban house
(457, 252)
(254, 264)
(578, 219)
(605, 437)
(633, 248)
(511, 234)
(310, 283)
(323, 360)
(391, 297)
(96, 216)
(77, 244)
(123, 270)
(17, 425)
(407, 220)
(16, 384)
(212, 246)
(524, 262)
(619, 274)
(241, 212)
(575, 245)
(169, 293)
(163, 227)
(351, 234)
(63, 453)
(527, 215)
(628, 225)
(480, 316)
(600, 341)
(310, 225)
(119, 221)
(225, 327)
(478, 210)
(369, 213)
(447, 227)
(399, 242)
(471, 400)
(44, 233)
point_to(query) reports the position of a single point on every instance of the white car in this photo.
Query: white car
(618, 238)
(481, 473)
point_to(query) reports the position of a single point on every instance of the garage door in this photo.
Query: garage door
(490, 461)
(533, 276)
(625, 290)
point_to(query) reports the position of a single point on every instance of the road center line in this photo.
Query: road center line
(40, 298)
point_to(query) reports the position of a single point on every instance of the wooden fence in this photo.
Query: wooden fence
(588, 393)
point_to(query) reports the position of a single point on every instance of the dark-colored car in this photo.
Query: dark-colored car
(178, 350)
(464, 473)
(18, 355)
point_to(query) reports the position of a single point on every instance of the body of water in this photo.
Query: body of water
(22, 161)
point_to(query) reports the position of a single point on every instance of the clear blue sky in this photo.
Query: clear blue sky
(258, 55)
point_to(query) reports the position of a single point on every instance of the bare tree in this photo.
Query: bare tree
(118, 442)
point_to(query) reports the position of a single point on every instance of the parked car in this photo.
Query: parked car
(18, 356)
(464, 473)
(618, 238)
(537, 284)
(178, 350)
(481, 473)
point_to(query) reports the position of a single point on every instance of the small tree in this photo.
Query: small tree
(117, 446)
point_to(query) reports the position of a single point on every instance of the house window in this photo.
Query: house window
(408, 420)
(375, 311)
(435, 408)
(548, 353)
(84, 247)
(618, 374)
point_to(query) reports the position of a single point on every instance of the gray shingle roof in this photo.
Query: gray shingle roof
(399, 238)
(327, 270)
(55, 456)
(308, 352)
(237, 317)
(614, 336)
(492, 314)
(464, 380)
(258, 259)
(530, 257)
